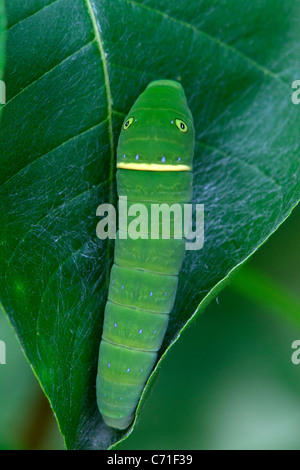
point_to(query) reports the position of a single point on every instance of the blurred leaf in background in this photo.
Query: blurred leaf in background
(72, 73)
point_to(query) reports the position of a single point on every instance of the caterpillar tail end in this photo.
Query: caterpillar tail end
(118, 423)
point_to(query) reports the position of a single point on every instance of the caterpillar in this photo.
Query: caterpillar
(154, 165)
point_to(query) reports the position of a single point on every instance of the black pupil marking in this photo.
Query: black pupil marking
(127, 124)
(182, 125)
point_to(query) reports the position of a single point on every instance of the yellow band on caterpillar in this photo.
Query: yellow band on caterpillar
(153, 167)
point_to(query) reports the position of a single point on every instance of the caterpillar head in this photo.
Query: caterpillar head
(158, 132)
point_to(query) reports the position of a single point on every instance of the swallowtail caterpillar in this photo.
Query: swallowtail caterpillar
(154, 165)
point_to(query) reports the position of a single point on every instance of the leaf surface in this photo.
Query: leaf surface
(74, 68)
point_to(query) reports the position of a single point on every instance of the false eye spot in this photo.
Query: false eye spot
(181, 125)
(128, 123)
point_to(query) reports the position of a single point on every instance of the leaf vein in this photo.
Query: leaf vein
(38, 222)
(222, 44)
(48, 72)
(80, 134)
(247, 164)
(33, 14)
(97, 31)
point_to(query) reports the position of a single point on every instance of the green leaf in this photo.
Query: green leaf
(74, 68)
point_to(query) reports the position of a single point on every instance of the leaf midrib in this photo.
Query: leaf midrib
(103, 56)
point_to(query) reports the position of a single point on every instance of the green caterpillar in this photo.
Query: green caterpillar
(154, 165)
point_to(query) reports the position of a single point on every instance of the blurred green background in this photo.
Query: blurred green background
(229, 383)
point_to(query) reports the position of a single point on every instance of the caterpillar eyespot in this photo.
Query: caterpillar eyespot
(181, 125)
(154, 163)
(128, 123)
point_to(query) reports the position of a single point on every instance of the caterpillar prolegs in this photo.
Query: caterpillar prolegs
(154, 165)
